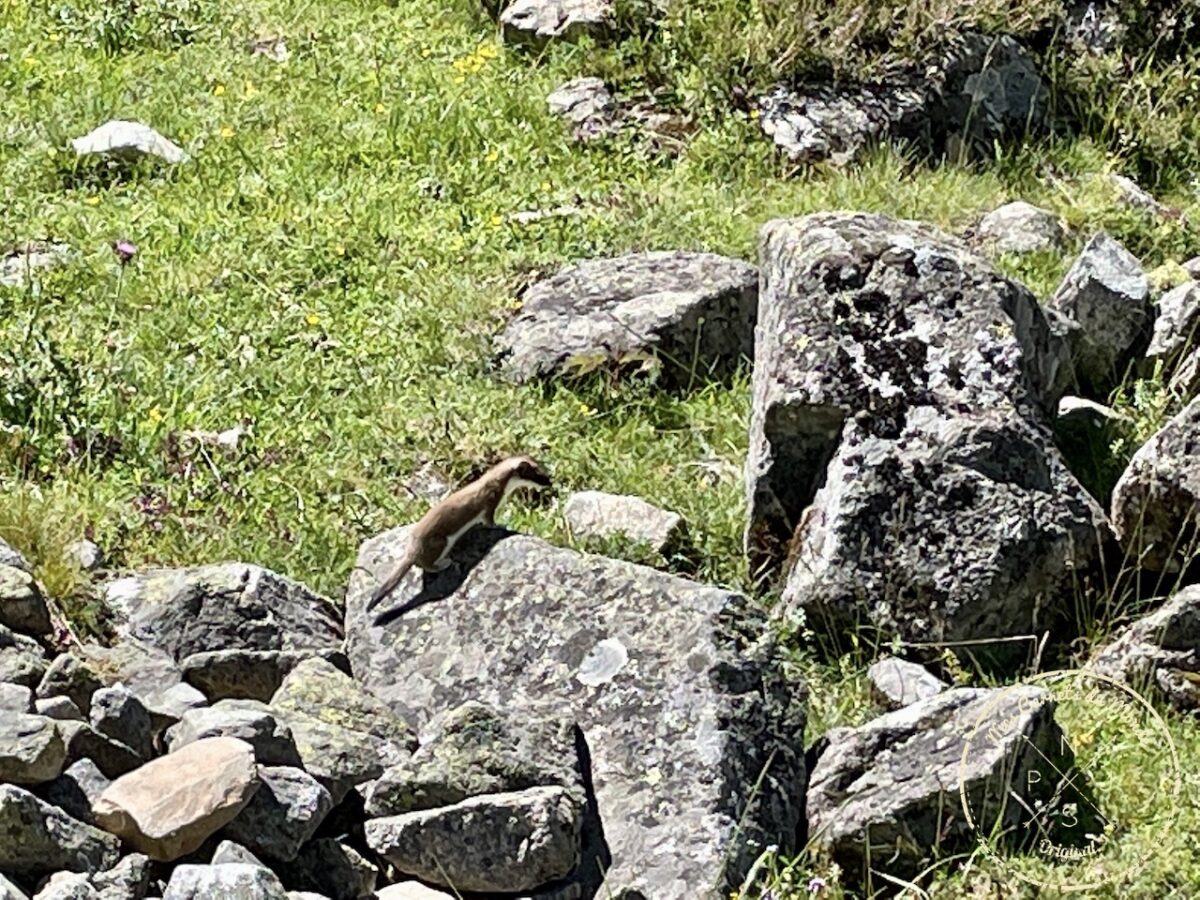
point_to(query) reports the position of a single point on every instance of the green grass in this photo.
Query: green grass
(330, 268)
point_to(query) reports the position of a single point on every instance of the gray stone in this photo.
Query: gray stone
(411, 890)
(497, 842)
(76, 789)
(170, 806)
(1132, 196)
(230, 882)
(1021, 227)
(63, 708)
(890, 789)
(249, 674)
(22, 607)
(38, 839)
(84, 742)
(282, 815)
(897, 683)
(665, 678)
(31, 749)
(345, 735)
(1175, 344)
(21, 659)
(118, 714)
(900, 454)
(152, 675)
(472, 750)
(1107, 294)
(601, 515)
(980, 89)
(68, 676)
(86, 554)
(1159, 654)
(127, 880)
(128, 141)
(588, 105)
(67, 886)
(1156, 501)
(248, 720)
(17, 263)
(538, 21)
(9, 891)
(231, 852)
(692, 314)
(15, 698)
(333, 868)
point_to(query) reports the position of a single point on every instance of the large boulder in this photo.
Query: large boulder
(1107, 294)
(932, 779)
(39, 839)
(31, 749)
(689, 730)
(282, 815)
(691, 313)
(22, 606)
(900, 454)
(1159, 654)
(345, 735)
(168, 807)
(226, 608)
(495, 843)
(1156, 501)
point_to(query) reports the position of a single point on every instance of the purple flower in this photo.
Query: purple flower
(125, 250)
(816, 885)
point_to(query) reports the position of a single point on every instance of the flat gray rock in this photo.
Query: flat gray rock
(127, 880)
(345, 735)
(31, 749)
(15, 698)
(1107, 295)
(538, 21)
(332, 868)
(890, 790)
(248, 720)
(128, 141)
(222, 608)
(22, 607)
(117, 713)
(282, 814)
(62, 708)
(229, 882)
(495, 843)
(1021, 227)
(666, 678)
(1159, 654)
(690, 313)
(474, 749)
(22, 661)
(17, 264)
(84, 742)
(76, 789)
(588, 105)
(248, 674)
(38, 839)
(232, 852)
(68, 676)
(1156, 501)
(601, 515)
(898, 683)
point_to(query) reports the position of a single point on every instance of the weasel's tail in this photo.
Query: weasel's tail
(390, 585)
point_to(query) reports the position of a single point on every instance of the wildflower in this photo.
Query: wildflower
(125, 250)
(496, 220)
(219, 90)
(516, 303)
(312, 319)
(155, 414)
(426, 52)
(379, 108)
(545, 186)
(459, 79)
(816, 884)
(248, 89)
(754, 114)
(586, 410)
(226, 132)
(488, 51)
(492, 157)
(340, 249)
(92, 201)
(30, 61)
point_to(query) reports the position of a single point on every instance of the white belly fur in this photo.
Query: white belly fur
(453, 539)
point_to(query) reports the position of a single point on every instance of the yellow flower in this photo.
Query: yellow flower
(30, 61)
(54, 37)
(155, 414)
(340, 249)
(754, 114)
(496, 220)
(545, 186)
(379, 108)
(218, 90)
(312, 319)
(426, 52)
(248, 89)
(226, 132)
(488, 51)
(459, 79)
(92, 201)
(492, 157)
(586, 410)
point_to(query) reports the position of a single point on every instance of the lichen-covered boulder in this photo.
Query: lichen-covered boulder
(345, 735)
(1159, 654)
(170, 806)
(890, 790)
(474, 749)
(226, 608)
(1156, 501)
(282, 814)
(690, 313)
(495, 842)
(39, 839)
(1106, 293)
(22, 606)
(681, 701)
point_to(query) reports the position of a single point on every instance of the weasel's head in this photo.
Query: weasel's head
(523, 472)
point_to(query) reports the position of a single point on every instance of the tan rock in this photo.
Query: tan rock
(168, 807)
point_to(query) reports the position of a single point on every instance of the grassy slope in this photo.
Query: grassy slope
(331, 267)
